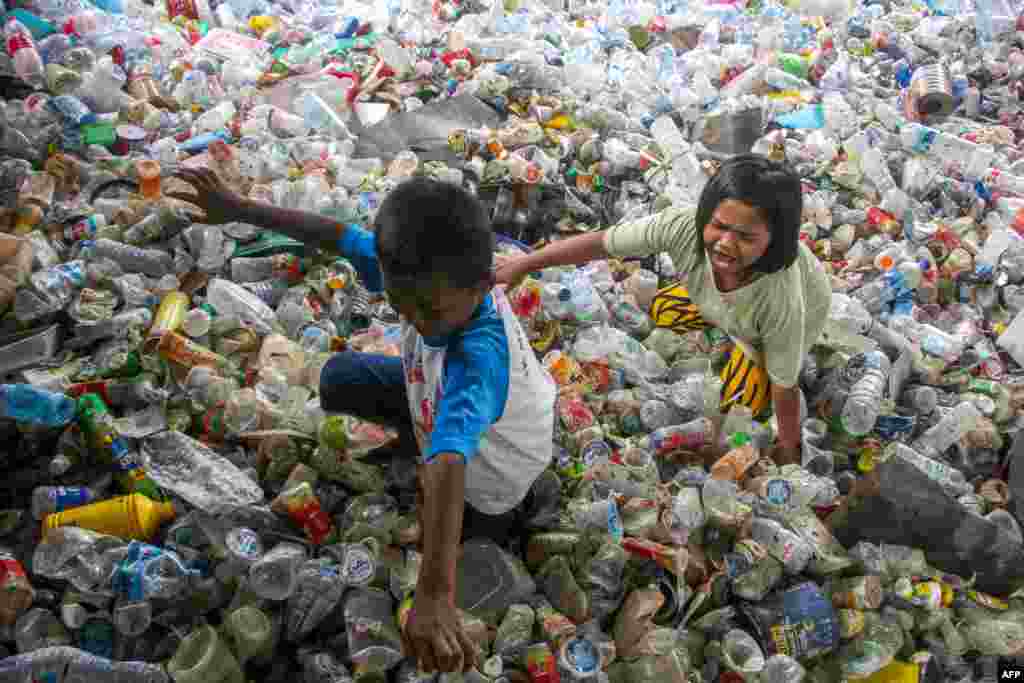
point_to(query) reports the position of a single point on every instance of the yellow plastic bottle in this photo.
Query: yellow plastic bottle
(135, 517)
(896, 672)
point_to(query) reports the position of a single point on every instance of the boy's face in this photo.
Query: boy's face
(433, 305)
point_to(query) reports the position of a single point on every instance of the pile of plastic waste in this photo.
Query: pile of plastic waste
(177, 506)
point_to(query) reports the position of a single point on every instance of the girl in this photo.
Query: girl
(744, 270)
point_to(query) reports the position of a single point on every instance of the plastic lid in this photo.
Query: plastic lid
(739, 439)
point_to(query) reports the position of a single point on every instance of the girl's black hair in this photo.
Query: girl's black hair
(427, 227)
(768, 186)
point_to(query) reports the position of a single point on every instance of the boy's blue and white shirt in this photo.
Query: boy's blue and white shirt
(478, 392)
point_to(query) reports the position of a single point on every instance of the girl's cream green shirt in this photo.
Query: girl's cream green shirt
(776, 318)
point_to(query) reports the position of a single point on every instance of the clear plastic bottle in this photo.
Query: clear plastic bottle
(230, 299)
(949, 477)
(949, 430)
(865, 399)
(77, 665)
(984, 27)
(22, 51)
(931, 339)
(785, 546)
(152, 262)
(941, 146)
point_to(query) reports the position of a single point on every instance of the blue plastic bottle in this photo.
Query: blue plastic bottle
(25, 403)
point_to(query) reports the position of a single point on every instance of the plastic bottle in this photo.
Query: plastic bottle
(245, 270)
(848, 319)
(34, 199)
(77, 665)
(49, 499)
(110, 448)
(931, 339)
(152, 262)
(785, 546)
(948, 431)
(84, 24)
(230, 299)
(643, 285)
(134, 516)
(691, 436)
(983, 25)
(949, 477)
(22, 50)
(734, 465)
(29, 405)
(159, 226)
(16, 592)
(118, 326)
(943, 147)
(865, 398)
(57, 285)
(151, 573)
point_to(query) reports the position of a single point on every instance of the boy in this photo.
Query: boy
(467, 389)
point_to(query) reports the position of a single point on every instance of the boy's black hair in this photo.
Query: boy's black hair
(768, 186)
(426, 226)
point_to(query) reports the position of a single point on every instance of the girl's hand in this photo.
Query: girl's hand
(220, 204)
(511, 271)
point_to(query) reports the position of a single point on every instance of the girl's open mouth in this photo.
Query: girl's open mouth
(722, 260)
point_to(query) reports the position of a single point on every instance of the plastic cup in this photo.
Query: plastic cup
(250, 633)
(202, 657)
(149, 177)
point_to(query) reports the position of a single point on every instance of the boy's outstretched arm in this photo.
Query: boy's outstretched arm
(434, 635)
(222, 205)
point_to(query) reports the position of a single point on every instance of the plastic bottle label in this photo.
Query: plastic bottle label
(182, 8)
(65, 497)
(778, 491)
(614, 523)
(246, 543)
(18, 41)
(11, 570)
(582, 656)
(359, 566)
(82, 229)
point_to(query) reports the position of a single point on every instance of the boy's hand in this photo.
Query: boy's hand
(434, 636)
(787, 455)
(219, 203)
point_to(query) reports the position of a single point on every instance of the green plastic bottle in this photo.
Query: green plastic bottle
(110, 448)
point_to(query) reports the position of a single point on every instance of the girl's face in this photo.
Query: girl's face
(735, 237)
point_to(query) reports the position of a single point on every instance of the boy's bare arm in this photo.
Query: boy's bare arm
(444, 490)
(220, 204)
(434, 635)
